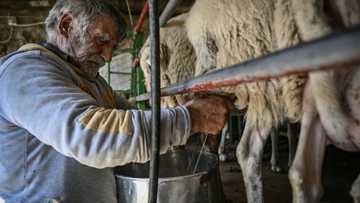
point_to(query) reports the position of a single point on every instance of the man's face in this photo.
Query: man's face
(97, 47)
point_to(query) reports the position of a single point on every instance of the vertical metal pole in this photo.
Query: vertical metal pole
(155, 96)
(168, 11)
(166, 14)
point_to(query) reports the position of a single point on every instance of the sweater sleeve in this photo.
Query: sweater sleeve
(39, 97)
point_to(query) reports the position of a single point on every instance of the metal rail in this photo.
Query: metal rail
(334, 51)
(168, 11)
(143, 13)
(155, 98)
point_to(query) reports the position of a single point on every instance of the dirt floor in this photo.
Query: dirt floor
(339, 171)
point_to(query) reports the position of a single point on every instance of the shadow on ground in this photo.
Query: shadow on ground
(339, 171)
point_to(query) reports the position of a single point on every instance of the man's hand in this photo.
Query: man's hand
(208, 114)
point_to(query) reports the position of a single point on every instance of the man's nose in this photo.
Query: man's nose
(107, 54)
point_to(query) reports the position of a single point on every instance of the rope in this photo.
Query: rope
(201, 151)
(129, 12)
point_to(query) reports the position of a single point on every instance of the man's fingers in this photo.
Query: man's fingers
(209, 113)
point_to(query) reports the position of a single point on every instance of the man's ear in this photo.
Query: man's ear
(65, 25)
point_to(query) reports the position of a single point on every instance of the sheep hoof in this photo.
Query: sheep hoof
(222, 157)
(276, 169)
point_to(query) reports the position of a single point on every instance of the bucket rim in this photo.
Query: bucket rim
(168, 179)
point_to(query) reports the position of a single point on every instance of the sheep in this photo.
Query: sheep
(331, 101)
(177, 63)
(228, 32)
(177, 59)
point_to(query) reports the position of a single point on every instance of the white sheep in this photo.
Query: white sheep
(177, 59)
(331, 108)
(225, 32)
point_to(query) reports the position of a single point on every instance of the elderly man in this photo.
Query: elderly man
(62, 129)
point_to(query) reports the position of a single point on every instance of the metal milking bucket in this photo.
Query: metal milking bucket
(177, 181)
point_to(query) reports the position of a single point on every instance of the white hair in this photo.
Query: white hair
(84, 12)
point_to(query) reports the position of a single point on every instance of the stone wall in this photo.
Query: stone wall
(11, 38)
(21, 12)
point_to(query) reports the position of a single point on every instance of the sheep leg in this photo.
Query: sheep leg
(291, 141)
(249, 154)
(305, 172)
(355, 190)
(274, 161)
